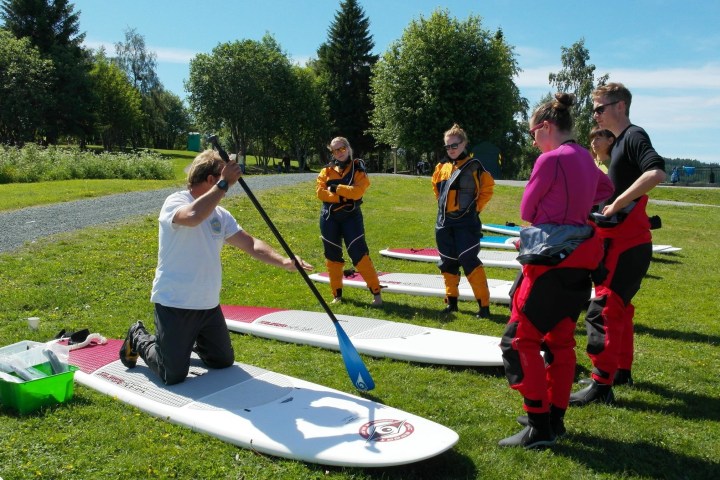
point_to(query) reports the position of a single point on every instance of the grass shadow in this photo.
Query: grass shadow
(667, 259)
(448, 465)
(633, 459)
(690, 337)
(687, 405)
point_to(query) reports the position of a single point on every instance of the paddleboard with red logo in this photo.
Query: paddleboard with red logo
(269, 412)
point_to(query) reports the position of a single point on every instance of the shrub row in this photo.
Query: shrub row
(34, 163)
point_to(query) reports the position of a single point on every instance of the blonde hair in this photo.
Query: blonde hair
(456, 131)
(614, 92)
(345, 142)
(205, 163)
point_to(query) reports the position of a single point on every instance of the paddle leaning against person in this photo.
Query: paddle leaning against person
(341, 186)
(186, 290)
(559, 253)
(462, 188)
(635, 169)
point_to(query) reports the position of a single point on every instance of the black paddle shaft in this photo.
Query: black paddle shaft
(223, 154)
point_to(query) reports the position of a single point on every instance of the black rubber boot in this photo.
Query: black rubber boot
(483, 312)
(452, 305)
(595, 392)
(128, 351)
(537, 434)
(623, 377)
(338, 296)
(557, 421)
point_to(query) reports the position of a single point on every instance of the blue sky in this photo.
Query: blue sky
(667, 52)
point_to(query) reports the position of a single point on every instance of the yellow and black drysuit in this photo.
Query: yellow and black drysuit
(462, 188)
(341, 186)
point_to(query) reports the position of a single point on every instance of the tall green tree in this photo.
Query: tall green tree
(137, 62)
(305, 123)
(444, 71)
(53, 27)
(241, 88)
(578, 76)
(24, 88)
(117, 102)
(345, 62)
(169, 122)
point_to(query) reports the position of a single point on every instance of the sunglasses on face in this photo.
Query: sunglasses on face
(338, 151)
(600, 109)
(535, 129)
(452, 146)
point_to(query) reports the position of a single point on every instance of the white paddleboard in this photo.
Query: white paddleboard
(512, 229)
(269, 412)
(379, 338)
(489, 258)
(502, 243)
(665, 249)
(423, 285)
(507, 243)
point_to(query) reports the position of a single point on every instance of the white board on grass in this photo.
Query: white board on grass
(269, 412)
(379, 338)
(498, 242)
(512, 229)
(423, 285)
(489, 258)
(665, 249)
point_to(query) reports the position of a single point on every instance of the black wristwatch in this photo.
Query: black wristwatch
(222, 185)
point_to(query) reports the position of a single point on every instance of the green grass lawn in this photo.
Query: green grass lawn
(666, 426)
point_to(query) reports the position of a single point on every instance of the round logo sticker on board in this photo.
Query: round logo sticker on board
(386, 430)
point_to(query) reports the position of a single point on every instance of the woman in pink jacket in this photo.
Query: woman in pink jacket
(559, 253)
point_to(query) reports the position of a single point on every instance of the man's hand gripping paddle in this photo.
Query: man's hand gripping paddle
(359, 375)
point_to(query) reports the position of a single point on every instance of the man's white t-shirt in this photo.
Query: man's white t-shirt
(189, 273)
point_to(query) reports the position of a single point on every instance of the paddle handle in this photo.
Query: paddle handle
(223, 154)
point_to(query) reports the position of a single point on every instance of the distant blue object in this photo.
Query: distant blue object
(689, 170)
(675, 175)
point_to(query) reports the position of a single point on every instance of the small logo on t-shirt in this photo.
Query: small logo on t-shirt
(215, 225)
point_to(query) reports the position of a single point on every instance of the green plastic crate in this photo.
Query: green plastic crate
(27, 397)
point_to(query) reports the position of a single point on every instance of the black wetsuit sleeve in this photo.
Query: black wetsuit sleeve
(640, 148)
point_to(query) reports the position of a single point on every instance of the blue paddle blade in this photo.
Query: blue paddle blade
(359, 375)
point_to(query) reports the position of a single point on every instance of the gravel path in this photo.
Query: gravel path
(28, 224)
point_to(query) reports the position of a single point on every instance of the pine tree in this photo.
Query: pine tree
(53, 28)
(345, 62)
